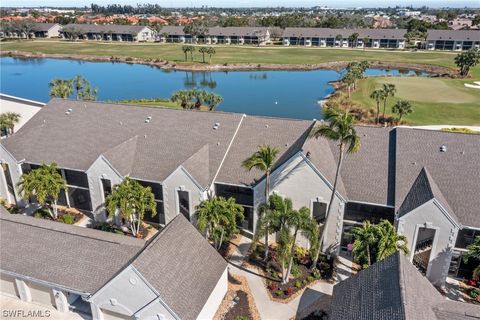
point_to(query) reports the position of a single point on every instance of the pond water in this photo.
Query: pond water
(288, 94)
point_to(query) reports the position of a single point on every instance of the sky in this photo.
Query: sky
(251, 3)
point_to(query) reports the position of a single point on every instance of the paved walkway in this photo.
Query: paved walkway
(267, 308)
(14, 308)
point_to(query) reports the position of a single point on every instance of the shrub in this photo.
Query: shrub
(279, 293)
(129, 59)
(310, 279)
(240, 318)
(295, 271)
(289, 291)
(300, 252)
(304, 282)
(298, 284)
(324, 266)
(316, 273)
(41, 213)
(272, 286)
(67, 218)
(474, 293)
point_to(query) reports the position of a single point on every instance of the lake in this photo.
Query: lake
(288, 94)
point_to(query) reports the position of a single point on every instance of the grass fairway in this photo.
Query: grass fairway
(435, 100)
(230, 53)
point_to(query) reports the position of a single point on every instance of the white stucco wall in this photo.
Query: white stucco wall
(15, 173)
(124, 294)
(54, 31)
(180, 179)
(298, 180)
(26, 108)
(216, 298)
(100, 169)
(430, 215)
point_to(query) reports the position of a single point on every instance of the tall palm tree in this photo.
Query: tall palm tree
(45, 184)
(78, 84)
(131, 200)
(8, 120)
(298, 221)
(340, 128)
(402, 108)
(389, 90)
(266, 224)
(377, 95)
(263, 159)
(388, 240)
(349, 80)
(473, 253)
(364, 244)
(203, 50)
(217, 218)
(60, 88)
(212, 100)
(211, 51)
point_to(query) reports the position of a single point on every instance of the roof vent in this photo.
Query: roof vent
(145, 136)
(120, 123)
(443, 149)
(216, 125)
(266, 126)
(149, 118)
(69, 110)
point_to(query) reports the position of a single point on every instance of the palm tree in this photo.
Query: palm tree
(60, 88)
(364, 244)
(184, 97)
(266, 224)
(473, 253)
(217, 219)
(78, 84)
(389, 89)
(8, 120)
(203, 50)
(185, 50)
(467, 60)
(349, 80)
(340, 128)
(131, 200)
(298, 221)
(402, 108)
(263, 159)
(339, 38)
(365, 41)
(211, 51)
(212, 100)
(377, 95)
(45, 184)
(353, 39)
(388, 240)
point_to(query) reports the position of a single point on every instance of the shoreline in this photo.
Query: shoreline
(170, 65)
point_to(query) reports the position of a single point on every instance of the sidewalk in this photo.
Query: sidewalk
(267, 308)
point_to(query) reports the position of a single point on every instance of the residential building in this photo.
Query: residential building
(425, 182)
(326, 37)
(393, 289)
(107, 32)
(453, 39)
(25, 108)
(38, 30)
(217, 35)
(175, 275)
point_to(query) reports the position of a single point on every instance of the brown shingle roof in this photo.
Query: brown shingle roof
(345, 33)
(461, 35)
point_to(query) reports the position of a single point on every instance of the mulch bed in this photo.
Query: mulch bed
(240, 308)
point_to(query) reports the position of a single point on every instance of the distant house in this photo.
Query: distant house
(39, 30)
(217, 35)
(326, 37)
(424, 182)
(175, 275)
(393, 289)
(107, 32)
(453, 39)
(25, 108)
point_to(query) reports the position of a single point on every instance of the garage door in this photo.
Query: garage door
(41, 294)
(110, 315)
(7, 285)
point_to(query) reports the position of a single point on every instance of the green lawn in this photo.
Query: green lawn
(151, 102)
(231, 54)
(435, 100)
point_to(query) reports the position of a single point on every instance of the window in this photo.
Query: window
(107, 187)
(76, 178)
(184, 203)
(319, 211)
(80, 199)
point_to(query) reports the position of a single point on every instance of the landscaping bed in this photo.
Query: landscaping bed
(65, 215)
(301, 275)
(146, 230)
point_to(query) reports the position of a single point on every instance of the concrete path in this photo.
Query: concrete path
(267, 308)
(344, 268)
(14, 308)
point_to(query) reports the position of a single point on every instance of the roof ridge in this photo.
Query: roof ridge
(401, 283)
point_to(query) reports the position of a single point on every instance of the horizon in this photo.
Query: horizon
(330, 4)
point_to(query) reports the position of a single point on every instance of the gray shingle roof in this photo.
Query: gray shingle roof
(462, 35)
(254, 131)
(393, 289)
(345, 33)
(93, 129)
(61, 254)
(106, 28)
(455, 172)
(182, 266)
(39, 27)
